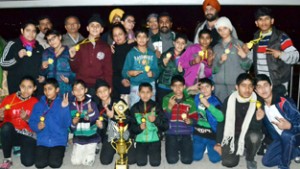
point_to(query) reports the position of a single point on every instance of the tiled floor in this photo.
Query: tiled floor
(204, 163)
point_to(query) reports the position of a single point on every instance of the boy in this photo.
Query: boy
(209, 115)
(230, 60)
(140, 66)
(282, 120)
(108, 132)
(168, 66)
(150, 121)
(50, 120)
(92, 58)
(242, 125)
(273, 52)
(197, 60)
(181, 112)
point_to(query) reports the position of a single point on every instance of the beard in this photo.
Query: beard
(211, 17)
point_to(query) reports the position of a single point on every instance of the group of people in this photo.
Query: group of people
(197, 96)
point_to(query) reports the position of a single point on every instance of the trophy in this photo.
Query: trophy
(121, 146)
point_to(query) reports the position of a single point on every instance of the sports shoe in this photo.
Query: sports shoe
(251, 165)
(6, 164)
(297, 160)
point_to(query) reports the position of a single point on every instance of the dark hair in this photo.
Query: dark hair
(204, 31)
(263, 11)
(177, 78)
(117, 26)
(182, 36)
(242, 77)
(142, 30)
(207, 81)
(52, 32)
(51, 81)
(125, 16)
(165, 14)
(262, 77)
(42, 17)
(29, 22)
(101, 83)
(145, 84)
(30, 78)
(72, 16)
(79, 82)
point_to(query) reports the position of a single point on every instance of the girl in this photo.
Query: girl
(15, 111)
(121, 87)
(85, 114)
(22, 57)
(128, 22)
(56, 62)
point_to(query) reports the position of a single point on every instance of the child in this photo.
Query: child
(168, 66)
(140, 66)
(109, 133)
(197, 59)
(50, 120)
(181, 111)
(230, 60)
(15, 111)
(151, 121)
(85, 114)
(209, 114)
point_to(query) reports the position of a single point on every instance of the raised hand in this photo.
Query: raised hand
(64, 79)
(109, 113)
(99, 124)
(143, 126)
(150, 74)
(223, 58)
(45, 64)
(65, 101)
(75, 120)
(41, 79)
(23, 115)
(72, 52)
(273, 52)
(125, 82)
(22, 53)
(179, 68)
(282, 123)
(172, 102)
(41, 125)
(240, 51)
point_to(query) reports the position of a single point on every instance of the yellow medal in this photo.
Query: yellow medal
(101, 118)
(143, 120)
(50, 61)
(147, 68)
(168, 55)
(28, 53)
(42, 118)
(227, 51)
(183, 116)
(7, 107)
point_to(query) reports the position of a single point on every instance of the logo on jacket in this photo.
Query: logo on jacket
(100, 55)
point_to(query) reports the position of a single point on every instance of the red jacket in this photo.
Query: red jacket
(12, 115)
(93, 62)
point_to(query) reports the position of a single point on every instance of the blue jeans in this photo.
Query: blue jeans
(200, 144)
(281, 151)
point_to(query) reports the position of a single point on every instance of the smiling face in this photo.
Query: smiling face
(179, 45)
(142, 39)
(205, 40)
(165, 24)
(211, 13)
(152, 23)
(103, 93)
(27, 88)
(145, 94)
(94, 29)
(129, 23)
(224, 32)
(54, 40)
(264, 23)
(29, 32)
(79, 91)
(119, 36)
(72, 25)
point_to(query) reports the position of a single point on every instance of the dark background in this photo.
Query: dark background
(185, 19)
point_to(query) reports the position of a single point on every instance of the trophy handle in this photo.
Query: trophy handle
(129, 144)
(112, 143)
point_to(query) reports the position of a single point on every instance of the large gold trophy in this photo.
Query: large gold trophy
(121, 146)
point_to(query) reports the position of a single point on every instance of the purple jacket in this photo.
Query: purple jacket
(192, 71)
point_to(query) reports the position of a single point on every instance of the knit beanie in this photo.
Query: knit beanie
(96, 18)
(214, 3)
(115, 12)
(101, 83)
(223, 21)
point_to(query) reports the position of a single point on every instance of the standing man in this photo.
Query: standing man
(163, 40)
(72, 37)
(45, 24)
(273, 52)
(211, 10)
(282, 120)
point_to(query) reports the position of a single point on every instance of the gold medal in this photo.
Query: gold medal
(227, 51)
(183, 116)
(201, 96)
(258, 104)
(50, 61)
(201, 53)
(77, 47)
(143, 120)
(101, 118)
(168, 55)
(42, 118)
(7, 107)
(77, 114)
(147, 68)
(249, 45)
(28, 53)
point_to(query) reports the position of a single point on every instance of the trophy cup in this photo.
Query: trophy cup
(121, 145)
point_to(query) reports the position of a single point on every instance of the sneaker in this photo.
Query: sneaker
(6, 164)
(297, 160)
(17, 151)
(251, 165)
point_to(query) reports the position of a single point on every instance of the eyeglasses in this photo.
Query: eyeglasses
(130, 21)
(51, 39)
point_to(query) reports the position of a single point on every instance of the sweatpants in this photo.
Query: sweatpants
(10, 138)
(83, 154)
(200, 144)
(49, 156)
(252, 144)
(179, 144)
(281, 151)
(152, 149)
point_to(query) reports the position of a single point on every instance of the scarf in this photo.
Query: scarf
(26, 42)
(229, 128)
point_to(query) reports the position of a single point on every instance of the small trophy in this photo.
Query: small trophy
(121, 145)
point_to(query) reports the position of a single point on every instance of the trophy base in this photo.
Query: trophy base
(121, 166)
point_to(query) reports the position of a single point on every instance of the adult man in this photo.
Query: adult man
(273, 52)
(72, 37)
(152, 23)
(163, 40)
(211, 10)
(242, 126)
(44, 25)
(282, 120)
